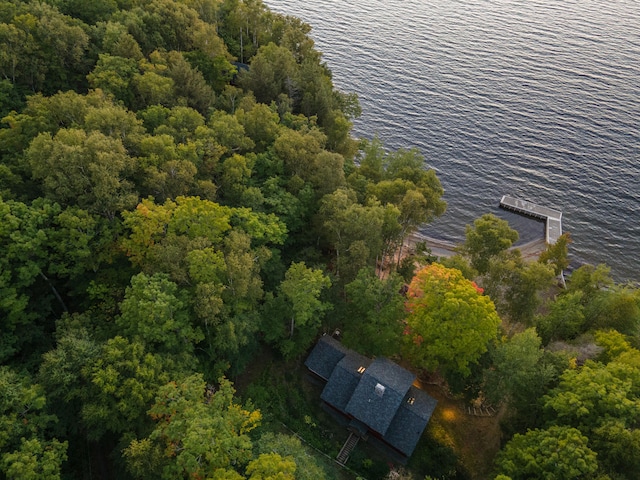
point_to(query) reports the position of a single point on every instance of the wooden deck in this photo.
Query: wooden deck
(552, 217)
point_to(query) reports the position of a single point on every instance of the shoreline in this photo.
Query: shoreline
(443, 248)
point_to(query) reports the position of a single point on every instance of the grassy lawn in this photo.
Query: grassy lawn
(473, 440)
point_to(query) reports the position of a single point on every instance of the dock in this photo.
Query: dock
(552, 217)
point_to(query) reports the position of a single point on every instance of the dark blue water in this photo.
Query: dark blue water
(538, 99)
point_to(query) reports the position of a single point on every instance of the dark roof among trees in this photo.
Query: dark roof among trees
(325, 356)
(344, 380)
(378, 393)
(410, 420)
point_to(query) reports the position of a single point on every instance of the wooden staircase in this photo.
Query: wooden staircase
(481, 411)
(347, 448)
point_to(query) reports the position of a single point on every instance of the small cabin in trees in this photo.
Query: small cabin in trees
(375, 399)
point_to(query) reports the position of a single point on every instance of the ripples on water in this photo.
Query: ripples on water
(538, 99)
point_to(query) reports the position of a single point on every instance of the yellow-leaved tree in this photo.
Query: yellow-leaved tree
(450, 322)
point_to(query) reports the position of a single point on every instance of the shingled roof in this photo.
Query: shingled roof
(344, 380)
(378, 393)
(325, 356)
(412, 417)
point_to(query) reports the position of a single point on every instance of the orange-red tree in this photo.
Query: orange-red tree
(449, 323)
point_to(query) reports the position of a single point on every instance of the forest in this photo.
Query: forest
(184, 212)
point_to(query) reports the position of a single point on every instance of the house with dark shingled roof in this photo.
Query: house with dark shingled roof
(376, 398)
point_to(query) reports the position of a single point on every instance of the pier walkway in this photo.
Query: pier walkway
(553, 218)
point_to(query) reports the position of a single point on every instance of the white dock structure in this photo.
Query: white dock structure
(552, 217)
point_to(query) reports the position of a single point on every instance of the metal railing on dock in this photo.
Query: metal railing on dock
(552, 217)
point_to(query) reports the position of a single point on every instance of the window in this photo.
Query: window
(361, 369)
(379, 389)
(410, 400)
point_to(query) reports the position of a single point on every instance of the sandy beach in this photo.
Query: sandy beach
(442, 248)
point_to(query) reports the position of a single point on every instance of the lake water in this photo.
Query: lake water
(539, 99)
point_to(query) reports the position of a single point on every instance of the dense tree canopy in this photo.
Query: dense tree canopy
(185, 413)
(558, 452)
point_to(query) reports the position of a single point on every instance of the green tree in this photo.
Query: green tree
(295, 36)
(450, 323)
(616, 439)
(614, 344)
(151, 88)
(372, 159)
(314, 95)
(294, 212)
(117, 41)
(181, 123)
(522, 294)
(327, 173)
(516, 285)
(45, 114)
(243, 26)
(117, 122)
(114, 75)
(302, 287)
(272, 73)
(26, 449)
(261, 124)
(603, 402)
(153, 313)
(87, 170)
(152, 225)
(49, 254)
(167, 25)
(558, 452)
(519, 373)
(190, 87)
(172, 239)
(120, 384)
(408, 165)
(23, 240)
(298, 151)
(287, 446)
(488, 237)
(62, 375)
(228, 132)
(21, 409)
(185, 412)
(35, 460)
(558, 254)
(299, 306)
(399, 178)
(587, 396)
(375, 310)
(565, 320)
(233, 180)
(271, 466)
(617, 308)
(618, 447)
(353, 231)
(590, 280)
(215, 68)
(87, 11)
(44, 49)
